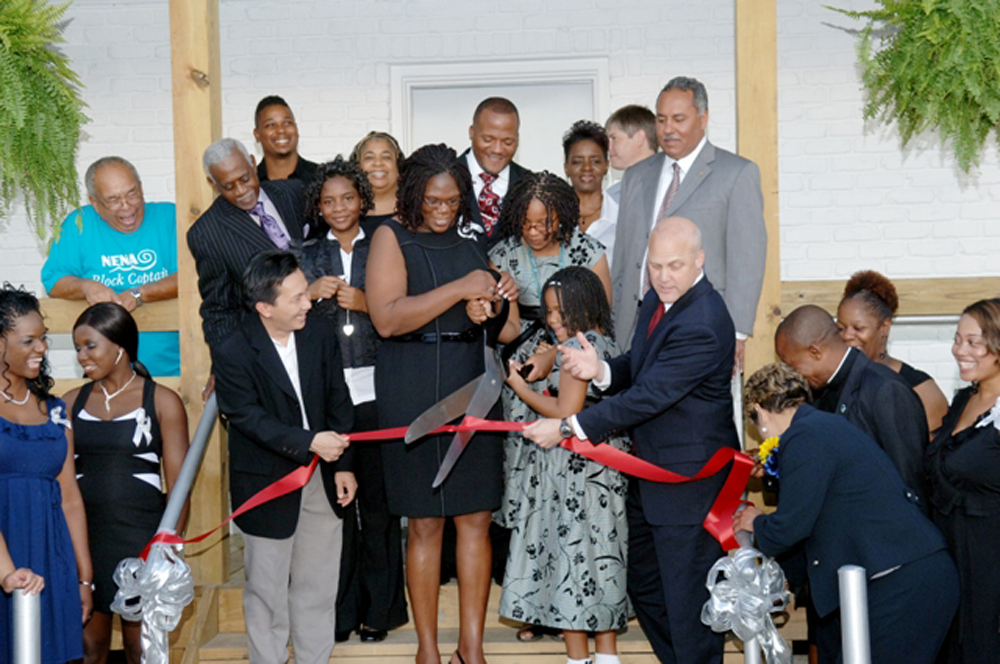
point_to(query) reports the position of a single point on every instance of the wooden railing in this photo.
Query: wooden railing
(155, 316)
(917, 297)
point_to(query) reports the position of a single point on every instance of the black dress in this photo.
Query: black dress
(371, 591)
(964, 477)
(118, 470)
(913, 376)
(415, 370)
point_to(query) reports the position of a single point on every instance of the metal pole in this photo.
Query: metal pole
(854, 614)
(189, 469)
(751, 649)
(27, 628)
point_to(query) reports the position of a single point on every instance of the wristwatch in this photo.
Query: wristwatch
(565, 428)
(137, 294)
(89, 584)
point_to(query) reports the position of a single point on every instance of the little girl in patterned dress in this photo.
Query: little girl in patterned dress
(569, 539)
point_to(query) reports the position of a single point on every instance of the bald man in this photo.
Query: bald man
(872, 397)
(671, 391)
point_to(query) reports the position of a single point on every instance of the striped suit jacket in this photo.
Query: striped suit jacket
(223, 240)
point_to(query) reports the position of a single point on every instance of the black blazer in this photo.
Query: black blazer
(881, 403)
(223, 240)
(516, 171)
(673, 393)
(266, 438)
(843, 498)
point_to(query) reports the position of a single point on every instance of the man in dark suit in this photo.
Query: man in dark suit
(244, 220)
(281, 384)
(717, 190)
(672, 392)
(494, 137)
(871, 396)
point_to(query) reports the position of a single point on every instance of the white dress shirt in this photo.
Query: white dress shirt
(499, 185)
(603, 228)
(360, 380)
(289, 358)
(666, 175)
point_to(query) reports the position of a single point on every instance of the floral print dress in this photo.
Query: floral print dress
(530, 273)
(569, 541)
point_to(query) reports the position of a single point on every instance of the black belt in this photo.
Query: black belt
(469, 336)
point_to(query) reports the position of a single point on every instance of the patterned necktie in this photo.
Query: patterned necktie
(489, 203)
(675, 184)
(271, 227)
(655, 320)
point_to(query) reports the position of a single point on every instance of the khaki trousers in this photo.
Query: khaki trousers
(291, 587)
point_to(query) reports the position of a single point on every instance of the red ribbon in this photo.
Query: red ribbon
(718, 522)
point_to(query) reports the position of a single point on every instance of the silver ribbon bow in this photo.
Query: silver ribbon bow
(143, 428)
(993, 418)
(58, 416)
(745, 590)
(155, 592)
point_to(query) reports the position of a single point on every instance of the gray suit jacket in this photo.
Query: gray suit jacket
(722, 195)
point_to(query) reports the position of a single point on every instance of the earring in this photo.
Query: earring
(121, 351)
(763, 429)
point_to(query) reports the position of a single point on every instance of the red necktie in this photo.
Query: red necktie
(657, 317)
(489, 203)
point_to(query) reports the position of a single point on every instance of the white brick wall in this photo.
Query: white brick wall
(849, 199)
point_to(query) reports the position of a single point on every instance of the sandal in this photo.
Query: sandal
(459, 655)
(529, 633)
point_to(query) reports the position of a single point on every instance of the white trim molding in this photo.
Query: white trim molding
(406, 78)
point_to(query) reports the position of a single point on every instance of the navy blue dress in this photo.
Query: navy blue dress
(32, 522)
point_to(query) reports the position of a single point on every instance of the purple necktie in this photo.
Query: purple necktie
(271, 227)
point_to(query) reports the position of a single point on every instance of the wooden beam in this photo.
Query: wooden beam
(757, 140)
(61, 314)
(197, 112)
(917, 297)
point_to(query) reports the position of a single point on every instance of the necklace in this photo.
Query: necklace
(16, 402)
(109, 397)
(533, 263)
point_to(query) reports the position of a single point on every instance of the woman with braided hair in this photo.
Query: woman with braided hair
(539, 223)
(864, 319)
(422, 269)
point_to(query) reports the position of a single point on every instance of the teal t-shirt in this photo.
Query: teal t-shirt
(91, 249)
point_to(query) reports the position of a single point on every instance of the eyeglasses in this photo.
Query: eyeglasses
(538, 226)
(451, 203)
(117, 202)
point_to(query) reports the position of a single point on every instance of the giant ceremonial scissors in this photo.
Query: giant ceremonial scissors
(474, 399)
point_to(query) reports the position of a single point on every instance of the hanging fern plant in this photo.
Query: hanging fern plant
(934, 65)
(41, 114)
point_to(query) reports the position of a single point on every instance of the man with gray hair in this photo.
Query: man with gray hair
(119, 249)
(248, 217)
(717, 190)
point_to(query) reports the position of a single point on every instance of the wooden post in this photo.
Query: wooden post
(757, 140)
(197, 106)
